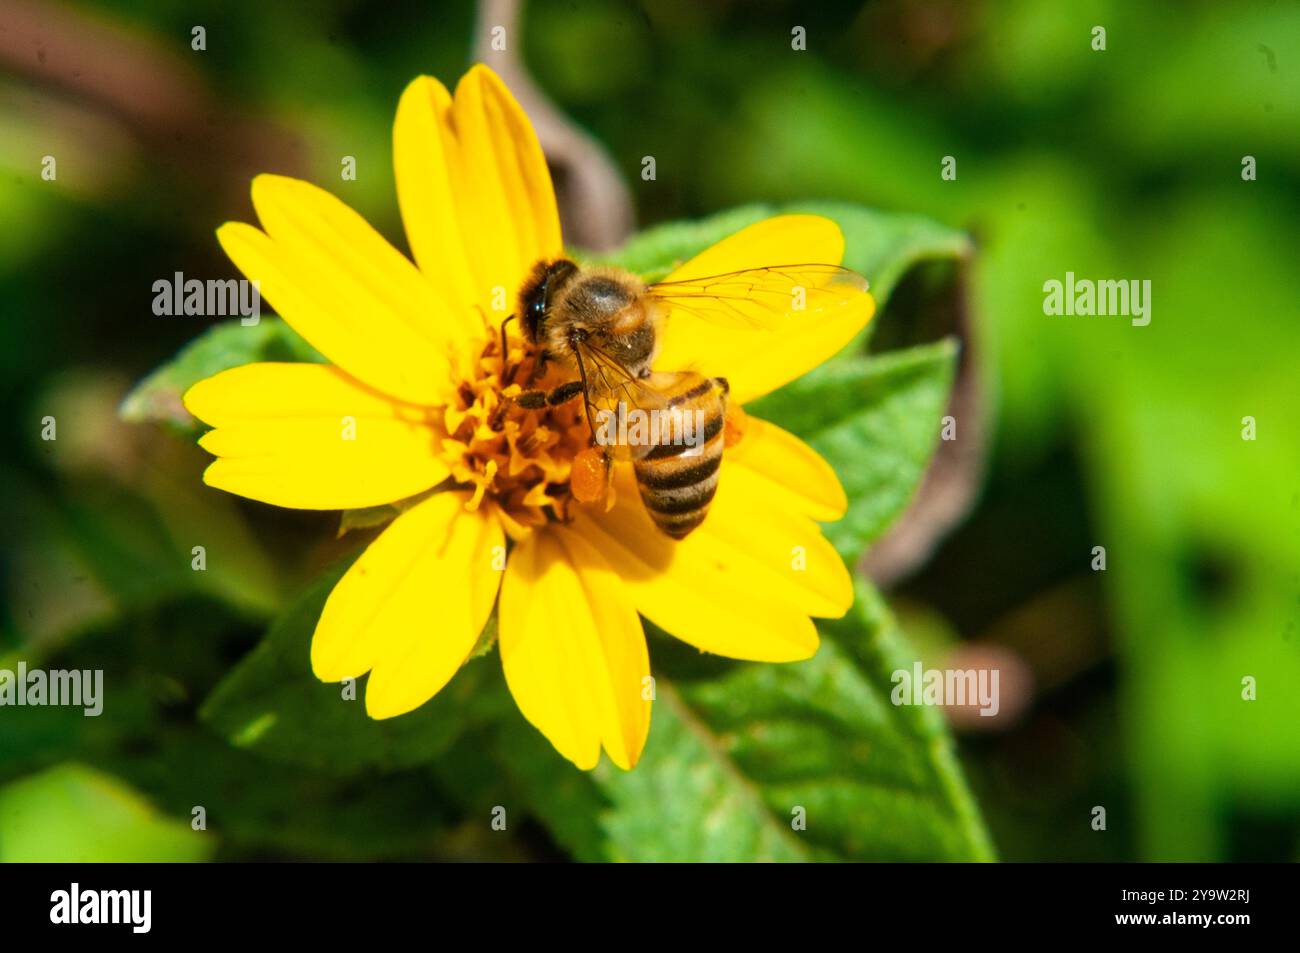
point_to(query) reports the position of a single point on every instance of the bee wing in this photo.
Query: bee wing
(763, 298)
(609, 382)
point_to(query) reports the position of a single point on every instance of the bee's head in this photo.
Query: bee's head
(538, 292)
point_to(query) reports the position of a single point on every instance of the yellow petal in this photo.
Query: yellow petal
(731, 592)
(474, 189)
(782, 551)
(348, 292)
(780, 240)
(573, 651)
(308, 436)
(758, 360)
(793, 474)
(422, 166)
(411, 608)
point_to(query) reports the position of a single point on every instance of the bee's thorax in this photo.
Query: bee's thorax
(607, 311)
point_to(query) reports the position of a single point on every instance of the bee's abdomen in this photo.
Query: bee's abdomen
(678, 481)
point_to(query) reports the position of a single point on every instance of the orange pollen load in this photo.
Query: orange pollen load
(518, 460)
(733, 430)
(589, 479)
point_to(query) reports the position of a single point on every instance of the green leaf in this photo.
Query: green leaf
(566, 801)
(370, 517)
(230, 344)
(876, 420)
(71, 813)
(732, 759)
(150, 738)
(688, 799)
(273, 704)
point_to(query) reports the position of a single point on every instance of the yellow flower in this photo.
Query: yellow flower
(412, 400)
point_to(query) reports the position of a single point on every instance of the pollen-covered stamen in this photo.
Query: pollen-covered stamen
(517, 459)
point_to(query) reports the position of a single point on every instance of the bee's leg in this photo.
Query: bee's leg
(536, 399)
(539, 366)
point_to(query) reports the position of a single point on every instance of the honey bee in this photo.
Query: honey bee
(604, 325)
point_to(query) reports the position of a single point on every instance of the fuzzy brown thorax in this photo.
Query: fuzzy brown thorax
(604, 308)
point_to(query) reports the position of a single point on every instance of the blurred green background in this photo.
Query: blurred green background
(1084, 432)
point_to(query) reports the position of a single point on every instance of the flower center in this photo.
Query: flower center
(517, 459)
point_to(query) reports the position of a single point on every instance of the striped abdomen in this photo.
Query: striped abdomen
(677, 480)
